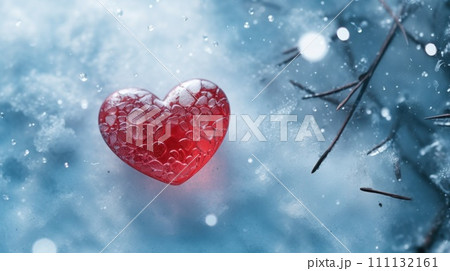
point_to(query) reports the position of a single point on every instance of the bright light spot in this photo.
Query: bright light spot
(84, 104)
(430, 49)
(44, 245)
(313, 46)
(211, 220)
(343, 34)
(385, 113)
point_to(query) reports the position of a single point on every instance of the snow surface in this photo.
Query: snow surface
(63, 190)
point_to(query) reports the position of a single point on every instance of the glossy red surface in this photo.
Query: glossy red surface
(169, 140)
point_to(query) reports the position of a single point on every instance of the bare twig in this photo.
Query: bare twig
(291, 58)
(395, 196)
(333, 91)
(442, 116)
(311, 92)
(414, 39)
(335, 140)
(396, 19)
(375, 150)
(291, 50)
(364, 86)
(391, 136)
(354, 89)
(367, 76)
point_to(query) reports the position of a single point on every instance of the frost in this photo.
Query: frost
(54, 136)
(193, 86)
(380, 149)
(186, 98)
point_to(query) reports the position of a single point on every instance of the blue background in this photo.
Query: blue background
(59, 180)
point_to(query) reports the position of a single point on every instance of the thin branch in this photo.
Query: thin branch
(372, 68)
(442, 116)
(311, 92)
(391, 136)
(375, 150)
(416, 40)
(336, 139)
(302, 87)
(289, 59)
(333, 91)
(374, 65)
(356, 87)
(383, 145)
(395, 196)
(291, 50)
(396, 19)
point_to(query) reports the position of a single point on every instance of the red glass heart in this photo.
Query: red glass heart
(169, 140)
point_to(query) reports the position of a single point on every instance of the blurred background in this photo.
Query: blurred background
(63, 190)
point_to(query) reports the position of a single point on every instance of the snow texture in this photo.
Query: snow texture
(62, 189)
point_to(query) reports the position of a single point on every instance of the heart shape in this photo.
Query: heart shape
(169, 140)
